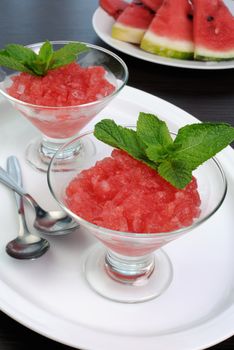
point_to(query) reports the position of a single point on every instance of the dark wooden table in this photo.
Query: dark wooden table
(208, 95)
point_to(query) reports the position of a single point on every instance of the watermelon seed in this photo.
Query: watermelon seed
(190, 16)
(210, 18)
(140, 4)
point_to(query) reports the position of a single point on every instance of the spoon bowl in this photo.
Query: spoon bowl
(28, 246)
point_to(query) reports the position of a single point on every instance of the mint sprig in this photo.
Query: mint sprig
(152, 144)
(23, 59)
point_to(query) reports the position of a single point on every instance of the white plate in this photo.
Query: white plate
(102, 24)
(51, 296)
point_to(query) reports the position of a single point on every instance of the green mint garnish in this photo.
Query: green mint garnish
(153, 131)
(23, 59)
(152, 144)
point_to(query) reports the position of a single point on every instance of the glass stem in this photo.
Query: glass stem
(129, 270)
(48, 147)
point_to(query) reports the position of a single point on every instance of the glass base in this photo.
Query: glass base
(142, 289)
(40, 152)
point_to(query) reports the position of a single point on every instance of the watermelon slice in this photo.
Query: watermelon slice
(133, 22)
(171, 31)
(153, 4)
(113, 7)
(213, 30)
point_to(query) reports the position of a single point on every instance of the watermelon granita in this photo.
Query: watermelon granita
(67, 86)
(213, 30)
(171, 31)
(124, 194)
(132, 23)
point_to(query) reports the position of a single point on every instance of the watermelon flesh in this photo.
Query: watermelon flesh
(213, 30)
(133, 22)
(153, 4)
(113, 7)
(171, 31)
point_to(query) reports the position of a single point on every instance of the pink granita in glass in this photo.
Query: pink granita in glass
(124, 194)
(70, 85)
(60, 97)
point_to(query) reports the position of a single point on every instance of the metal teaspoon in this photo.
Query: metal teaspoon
(26, 245)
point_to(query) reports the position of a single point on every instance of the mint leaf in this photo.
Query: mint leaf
(152, 130)
(11, 63)
(67, 54)
(157, 153)
(199, 142)
(176, 172)
(20, 53)
(45, 54)
(42, 61)
(117, 136)
(38, 67)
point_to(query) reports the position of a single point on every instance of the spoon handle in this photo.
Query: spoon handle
(9, 182)
(14, 170)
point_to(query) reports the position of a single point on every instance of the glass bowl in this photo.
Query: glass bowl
(130, 267)
(58, 125)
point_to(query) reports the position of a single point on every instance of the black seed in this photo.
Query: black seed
(210, 18)
(190, 16)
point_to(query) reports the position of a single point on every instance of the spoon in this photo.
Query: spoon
(26, 245)
(49, 222)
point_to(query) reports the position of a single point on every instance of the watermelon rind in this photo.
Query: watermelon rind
(166, 47)
(126, 33)
(204, 54)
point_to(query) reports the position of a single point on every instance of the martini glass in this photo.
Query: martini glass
(58, 125)
(130, 267)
